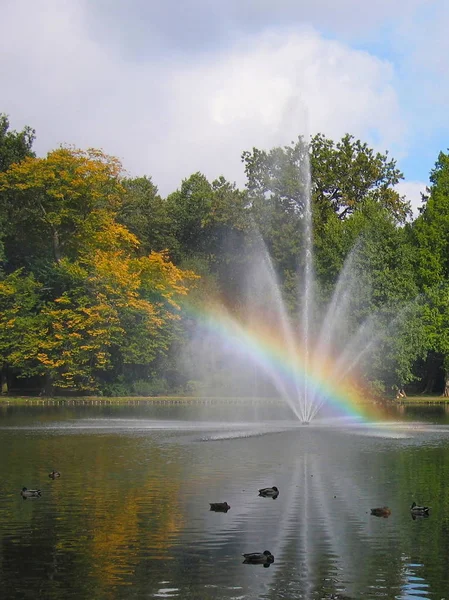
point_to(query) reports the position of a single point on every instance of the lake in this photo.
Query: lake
(129, 517)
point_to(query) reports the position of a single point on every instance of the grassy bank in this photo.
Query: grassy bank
(86, 400)
(70, 400)
(428, 399)
(66, 400)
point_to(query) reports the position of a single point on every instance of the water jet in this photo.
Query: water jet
(305, 357)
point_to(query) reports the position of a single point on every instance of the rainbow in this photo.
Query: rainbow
(288, 363)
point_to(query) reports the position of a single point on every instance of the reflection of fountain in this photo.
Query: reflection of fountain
(325, 542)
(307, 360)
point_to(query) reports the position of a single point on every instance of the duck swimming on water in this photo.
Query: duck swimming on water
(269, 492)
(384, 512)
(219, 506)
(258, 558)
(419, 511)
(26, 493)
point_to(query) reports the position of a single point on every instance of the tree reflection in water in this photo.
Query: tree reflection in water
(131, 515)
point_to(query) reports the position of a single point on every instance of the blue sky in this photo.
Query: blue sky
(177, 86)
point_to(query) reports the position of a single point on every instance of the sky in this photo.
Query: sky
(173, 87)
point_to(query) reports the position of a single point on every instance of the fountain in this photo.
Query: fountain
(309, 361)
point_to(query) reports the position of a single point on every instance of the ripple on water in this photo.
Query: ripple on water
(130, 516)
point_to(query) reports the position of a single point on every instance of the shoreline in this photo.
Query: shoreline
(423, 400)
(123, 400)
(136, 400)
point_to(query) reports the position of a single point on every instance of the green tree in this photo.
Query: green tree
(145, 214)
(345, 176)
(380, 288)
(430, 231)
(277, 186)
(348, 173)
(21, 325)
(226, 228)
(430, 235)
(210, 222)
(435, 319)
(188, 207)
(14, 147)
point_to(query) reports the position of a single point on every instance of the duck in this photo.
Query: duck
(258, 558)
(219, 506)
(54, 474)
(384, 512)
(25, 493)
(269, 492)
(419, 510)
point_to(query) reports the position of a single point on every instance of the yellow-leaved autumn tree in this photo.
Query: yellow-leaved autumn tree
(105, 306)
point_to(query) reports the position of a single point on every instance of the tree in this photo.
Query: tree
(280, 176)
(226, 228)
(56, 205)
(430, 231)
(277, 187)
(435, 319)
(348, 173)
(371, 259)
(210, 222)
(430, 235)
(145, 214)
(14, 146)
(188, 207)
(21, 327)
(344, 177)
(116, 314)
(103, 305)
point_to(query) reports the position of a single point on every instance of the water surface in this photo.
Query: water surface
(129, 517)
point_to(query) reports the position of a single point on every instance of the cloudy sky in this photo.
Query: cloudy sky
(177, 86)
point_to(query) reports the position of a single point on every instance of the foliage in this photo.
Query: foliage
(21, 325)
(14, 146)
(278, 177)
(117, 313)
(94, 265)
(277, 186)
(155, 387)
(58, 205)
(346, 177)
(348, 173)
(146, 215)
(430, 236)
(107, 305)
(375, 261)
(435, 318)
(188, 207)
(430, 231)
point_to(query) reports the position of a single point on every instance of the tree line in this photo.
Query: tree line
(94, 265)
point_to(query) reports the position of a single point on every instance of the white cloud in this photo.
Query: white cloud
(275, 88)
(195, 26)
(169, 118)
(412, 191)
